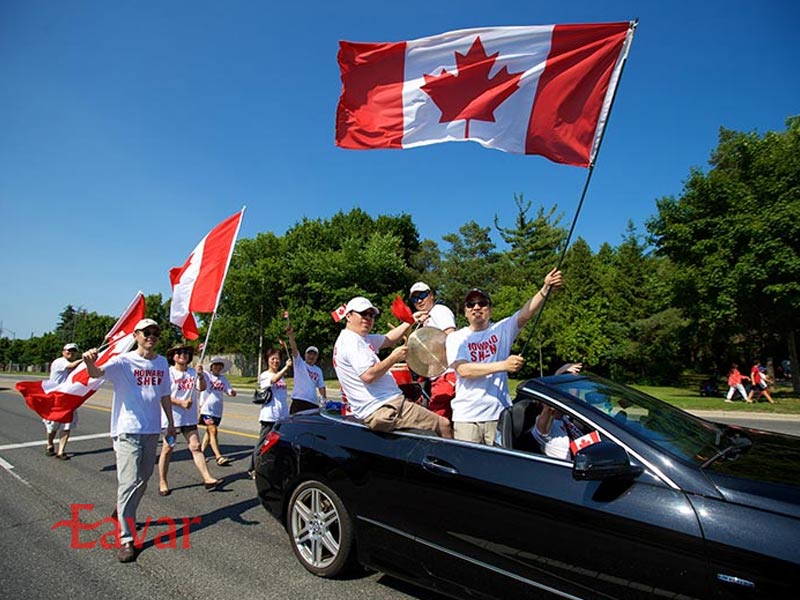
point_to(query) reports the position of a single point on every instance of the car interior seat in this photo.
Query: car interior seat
(523, 415)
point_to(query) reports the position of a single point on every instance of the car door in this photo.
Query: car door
(502, 521)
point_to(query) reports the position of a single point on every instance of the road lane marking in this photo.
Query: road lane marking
(76, 438)
(10, 468)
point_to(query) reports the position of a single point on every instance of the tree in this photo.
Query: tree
(734, 236)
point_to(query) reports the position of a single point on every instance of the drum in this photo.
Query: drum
(401, 374)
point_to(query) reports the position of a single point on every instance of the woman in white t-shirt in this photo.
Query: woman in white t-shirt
(278, 407)
(211, 404)
(186, 383)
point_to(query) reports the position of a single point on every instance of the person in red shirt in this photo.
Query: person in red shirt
(735, 383)
(760, 383)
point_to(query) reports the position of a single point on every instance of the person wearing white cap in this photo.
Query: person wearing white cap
(481, 356)
(60, 369)
(371, 391)
(212, 404)
(443, 387)
(308, 377)
(141, 393)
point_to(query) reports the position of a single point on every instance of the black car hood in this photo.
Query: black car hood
(766, 474)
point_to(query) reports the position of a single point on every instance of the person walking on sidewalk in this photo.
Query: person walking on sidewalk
(59, 371)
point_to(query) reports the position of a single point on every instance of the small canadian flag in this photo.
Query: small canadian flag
(583, 441)
(338, 314)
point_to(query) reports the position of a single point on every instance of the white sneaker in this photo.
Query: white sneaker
(726, 400)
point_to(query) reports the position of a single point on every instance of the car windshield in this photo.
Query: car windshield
(673, 430)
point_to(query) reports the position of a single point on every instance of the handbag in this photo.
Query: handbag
(262, 396)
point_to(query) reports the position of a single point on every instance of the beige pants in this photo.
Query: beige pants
(480, 432)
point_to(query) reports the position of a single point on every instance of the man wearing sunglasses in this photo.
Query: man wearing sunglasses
(141, 395)
(481, 356)
(370, 389)
(442, 388)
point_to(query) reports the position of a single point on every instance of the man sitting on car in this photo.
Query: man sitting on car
(371, 391)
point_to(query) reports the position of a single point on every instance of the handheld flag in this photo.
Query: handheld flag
(543, 90)
(401, 310)
(197, 285)
(338, 314)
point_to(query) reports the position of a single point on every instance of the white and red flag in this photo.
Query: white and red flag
(57, 401)
(197, 285)
(543, 90)
(585, 440)
(338, 313)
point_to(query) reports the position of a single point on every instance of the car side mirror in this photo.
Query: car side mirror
(603, 461)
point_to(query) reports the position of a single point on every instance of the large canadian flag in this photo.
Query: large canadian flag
(57, 402)
(543, 90)
(197, 285)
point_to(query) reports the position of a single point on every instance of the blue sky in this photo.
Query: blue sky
(129, 129)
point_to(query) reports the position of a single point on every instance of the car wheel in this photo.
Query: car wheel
(320, 528)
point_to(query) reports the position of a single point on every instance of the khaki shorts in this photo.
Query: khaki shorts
(388, 417)
(480, 432)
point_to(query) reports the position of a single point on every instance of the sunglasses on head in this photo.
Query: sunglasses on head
(419, 297)
(367, 314)
(151, 333)
(483, 303)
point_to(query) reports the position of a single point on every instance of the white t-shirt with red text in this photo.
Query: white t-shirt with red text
(59, 370)
(481, 399)
(352, 355)
(211, 399)
(278, 408)
(139, 385)
(182, 386)
(307, 378)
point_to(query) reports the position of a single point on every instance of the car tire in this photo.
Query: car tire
(320, 529)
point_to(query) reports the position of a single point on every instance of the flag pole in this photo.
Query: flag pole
(222, 285)
(615, 86)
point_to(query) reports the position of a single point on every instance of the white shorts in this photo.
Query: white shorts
(53, 426)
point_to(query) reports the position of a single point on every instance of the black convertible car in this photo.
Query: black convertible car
(658, 504)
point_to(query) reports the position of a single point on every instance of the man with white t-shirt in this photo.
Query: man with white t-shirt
(371, 391)
(141, 394)
(481, 356)
(60, 369)
(443, 387)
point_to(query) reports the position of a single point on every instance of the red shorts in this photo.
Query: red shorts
(443, 390)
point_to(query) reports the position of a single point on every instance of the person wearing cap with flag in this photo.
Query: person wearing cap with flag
(141, 394)
(481, 356)
(442, 388)
(308, 377)
(371, 391)
(60, 369)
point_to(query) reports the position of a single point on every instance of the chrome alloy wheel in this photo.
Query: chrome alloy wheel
(316, 528)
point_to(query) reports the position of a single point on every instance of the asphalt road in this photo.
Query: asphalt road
(235, 550)
(232, 549)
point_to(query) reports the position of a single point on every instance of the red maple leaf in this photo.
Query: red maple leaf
(471, 94)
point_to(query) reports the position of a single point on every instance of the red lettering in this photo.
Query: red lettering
(185, 533)
(77, 526)
(170, 534)
(138, 542)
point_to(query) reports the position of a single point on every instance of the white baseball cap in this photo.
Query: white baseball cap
(420, 286)
(360, 304)
(145, 323)
(312, 349)
(70, 346)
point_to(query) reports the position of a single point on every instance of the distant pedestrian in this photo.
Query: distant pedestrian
(59, 371)
(735, 383)
(760, 381)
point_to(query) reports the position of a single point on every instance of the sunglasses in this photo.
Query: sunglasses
(472, 303)
(367, 314)
(188, 352)
(151, 333)
(419, 297)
